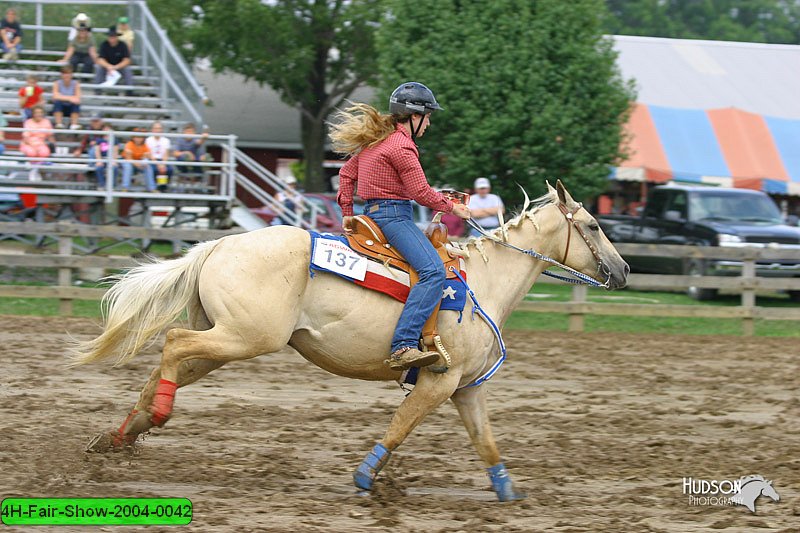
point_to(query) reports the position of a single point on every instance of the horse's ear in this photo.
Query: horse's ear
(550, 188)
(563, 196)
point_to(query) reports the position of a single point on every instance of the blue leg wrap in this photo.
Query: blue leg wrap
(368, 470)
(502, 484)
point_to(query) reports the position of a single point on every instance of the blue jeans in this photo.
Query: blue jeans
(6, 48)
(99, 168)
(128, 170)
(396, 219)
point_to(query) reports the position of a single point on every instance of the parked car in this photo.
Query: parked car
(706, 216)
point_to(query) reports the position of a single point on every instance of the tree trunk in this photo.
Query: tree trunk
(313, 134)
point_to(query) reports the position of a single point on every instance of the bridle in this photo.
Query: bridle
(570, 216)
(571, 223)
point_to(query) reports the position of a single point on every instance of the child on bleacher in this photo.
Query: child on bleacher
(11, 34)
(126, 34)
(35, 143)
(67, 99)
(137, 159)
(30, 96)
(160, 148)
(99, 151)
(192, 149)
(3, 124)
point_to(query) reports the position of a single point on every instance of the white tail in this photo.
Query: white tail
(142, 302)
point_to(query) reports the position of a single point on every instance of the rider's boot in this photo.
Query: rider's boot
(408, 357)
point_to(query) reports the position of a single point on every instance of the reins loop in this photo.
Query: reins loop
(581, 277)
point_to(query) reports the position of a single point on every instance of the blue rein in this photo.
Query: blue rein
(476, 308)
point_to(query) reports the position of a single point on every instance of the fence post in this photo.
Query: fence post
(65, 274)
(576, 316)
(40, 23)
(748, 296)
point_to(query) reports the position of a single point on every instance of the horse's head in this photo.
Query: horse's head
(769, 491)
(585, 247)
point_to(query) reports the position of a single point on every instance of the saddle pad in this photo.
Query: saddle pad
(376, 276)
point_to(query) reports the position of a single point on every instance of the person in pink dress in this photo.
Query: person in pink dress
(34, 143)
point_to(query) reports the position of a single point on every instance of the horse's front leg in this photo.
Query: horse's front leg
(429, 393)
(471, 405)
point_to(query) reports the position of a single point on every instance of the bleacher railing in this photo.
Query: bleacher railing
(152, 48)
(177, 80)
(15, 170)
(304, 215)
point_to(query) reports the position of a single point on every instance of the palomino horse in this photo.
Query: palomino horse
(251, 294)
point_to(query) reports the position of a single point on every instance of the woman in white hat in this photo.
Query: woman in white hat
(81, 19)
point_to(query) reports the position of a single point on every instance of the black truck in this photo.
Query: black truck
(706, 216)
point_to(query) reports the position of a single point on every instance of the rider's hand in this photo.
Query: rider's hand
(347, 225)
(461, 211)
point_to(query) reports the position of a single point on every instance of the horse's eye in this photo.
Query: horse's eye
(593, 226)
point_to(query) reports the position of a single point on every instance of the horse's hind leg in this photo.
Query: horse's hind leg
(430, 392)
(215, 345)
(471, 405)
(138, 420)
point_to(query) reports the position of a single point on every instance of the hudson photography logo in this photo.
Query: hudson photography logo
(729, 492)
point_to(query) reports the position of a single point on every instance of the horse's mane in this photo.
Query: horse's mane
(529, 209)
(744, 480)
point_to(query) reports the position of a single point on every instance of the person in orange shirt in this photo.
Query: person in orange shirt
(137, 159)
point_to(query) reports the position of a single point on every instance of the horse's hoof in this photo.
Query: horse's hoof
(100, 443)
(438, 369)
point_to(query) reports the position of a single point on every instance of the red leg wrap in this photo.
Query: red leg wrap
(162, 402)
(120, 438)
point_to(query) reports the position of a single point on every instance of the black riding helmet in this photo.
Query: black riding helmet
(413, 98)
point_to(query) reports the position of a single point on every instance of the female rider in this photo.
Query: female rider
(384, 165)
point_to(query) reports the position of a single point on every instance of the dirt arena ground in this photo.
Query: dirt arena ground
(598, 429)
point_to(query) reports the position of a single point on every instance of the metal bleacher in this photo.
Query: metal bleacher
(163, 89)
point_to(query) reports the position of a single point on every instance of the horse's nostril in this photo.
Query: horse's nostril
(627, 270)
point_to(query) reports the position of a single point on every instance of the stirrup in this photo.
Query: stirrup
(399, 360)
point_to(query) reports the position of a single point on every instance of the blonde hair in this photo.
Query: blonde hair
(360, 126)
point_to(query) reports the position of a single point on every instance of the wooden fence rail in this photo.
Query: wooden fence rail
(577, 308)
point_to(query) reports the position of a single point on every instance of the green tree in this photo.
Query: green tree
(763, 21)
(530, 90)
(314, 53)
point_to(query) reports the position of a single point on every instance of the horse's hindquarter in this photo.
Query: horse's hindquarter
(253, 282)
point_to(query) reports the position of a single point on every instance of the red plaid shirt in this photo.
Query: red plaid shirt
(389, 170)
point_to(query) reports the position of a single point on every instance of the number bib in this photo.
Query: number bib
(339, 258)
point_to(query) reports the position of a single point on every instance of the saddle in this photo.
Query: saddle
(368, 239)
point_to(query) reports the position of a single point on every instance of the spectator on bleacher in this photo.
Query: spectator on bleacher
(113, 57)
(67, 99)
(81, 51)
(11, 33)
(3, 124)
(99, 152)
(126, 34)
(192, 149)
(81, 19)
(160, 149)
(88, 140)
(35, 143)
(30, 96)
(137, 159)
